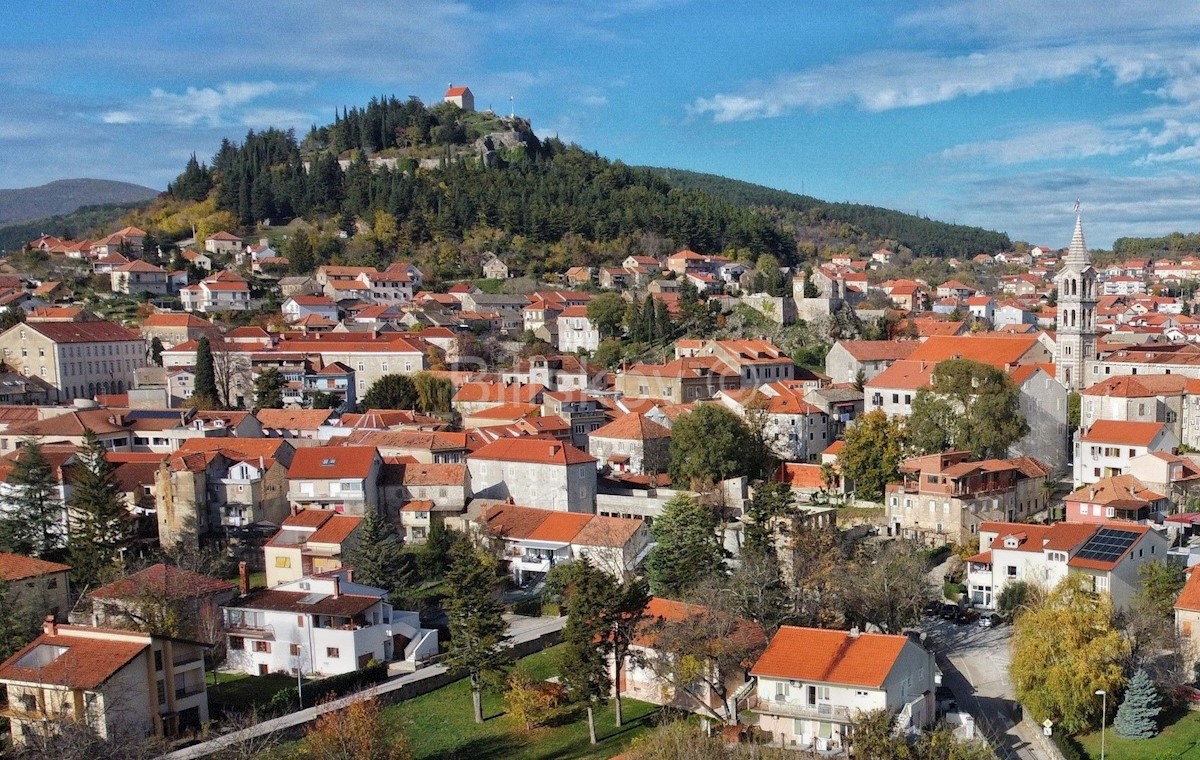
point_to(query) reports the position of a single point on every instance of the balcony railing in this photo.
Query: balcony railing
(188, 691)
(186, 658)
(821, 711)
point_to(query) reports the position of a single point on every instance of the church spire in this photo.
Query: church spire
(1078, 253)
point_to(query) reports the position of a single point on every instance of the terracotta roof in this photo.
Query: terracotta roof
(164, 581)
(905, 374)
(454, 92)
(802, 475)
(989, 349)
(1122, 432)
(521, 393)
(435, 474)
(1139, 386)
(293, 419)
(533, 450)
(1098, 564)
(83, 662)
(308, 518)
(1189, 596)
(613, 532)
(659, 611)
(223, 235)
(821, 656)
(83, 332)
(168, 319)
(336, 529)
(1114, 488)
(878, 350)
(631, 427)
(326, 462)
(1037, 538)
(559, 526)
(14, 567)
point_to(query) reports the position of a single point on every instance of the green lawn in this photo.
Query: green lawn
(1181, 740)
(440, 725)
(243, 691)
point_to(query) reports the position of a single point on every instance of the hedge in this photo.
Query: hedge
(288, 700)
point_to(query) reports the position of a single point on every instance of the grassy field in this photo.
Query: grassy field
(1180, 739)
(239, 689)
(440, 725)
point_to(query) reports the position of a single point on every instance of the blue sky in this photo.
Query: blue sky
(996, 113)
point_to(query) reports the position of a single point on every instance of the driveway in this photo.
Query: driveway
(974, 663)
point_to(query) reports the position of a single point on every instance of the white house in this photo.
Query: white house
(576, 331)
(298, 307)
(321, 625)
(539, 472)
(814, 683)
(1108, 446)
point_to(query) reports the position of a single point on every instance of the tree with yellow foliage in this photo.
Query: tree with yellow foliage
(1065, 649)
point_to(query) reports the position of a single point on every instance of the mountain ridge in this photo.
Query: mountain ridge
(64, 196)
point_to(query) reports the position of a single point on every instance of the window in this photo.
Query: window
(237, 643)
(294, 650)
(262, 646)
(285, 562)
(1083, 509)
(1011, 571)
(332, 652)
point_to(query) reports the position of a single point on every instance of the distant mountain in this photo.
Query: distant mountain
(80, 223)
(925, 237)
(65, 196)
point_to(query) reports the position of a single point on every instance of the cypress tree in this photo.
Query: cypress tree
(156, 351)
(378, 559)
(206, 375)
(478, 633)
(1137, 718)
(101, 526)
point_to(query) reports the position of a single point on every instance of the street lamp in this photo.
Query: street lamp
(1103, 716)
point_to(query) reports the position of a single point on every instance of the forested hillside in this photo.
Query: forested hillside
(77, 224)
(1175, 244)
(441, 187)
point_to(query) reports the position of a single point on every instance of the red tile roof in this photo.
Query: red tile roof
(164, 581)
(83, 332)
(330, 462)
(878, 350)
(533, 450)
(83, 662)
(1189, 597)
(822, 656)
(1123, 432)
(990, 349)
(632, 427)
(15, 567)
(293, 419)
(336, 529)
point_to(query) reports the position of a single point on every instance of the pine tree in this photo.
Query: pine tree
(33, 520)
(205, 393)
(156, 351)
(101, 526)
(584, 665)
(478, 633)
(379, 560)
(18, 623)
(1137, 718)
(268, 389)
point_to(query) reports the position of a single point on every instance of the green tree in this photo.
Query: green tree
(205, 392)
(770, 503)
(1016, 598)
(379, 559)
(1162, 580)
(606, 311)
(433, 392)
(101, 527)
(886, 587)
(1074, 411)
(583, 664)
(874, 447)
(970, 406)
(478, 633)
(609, 353)
(390, 392)
(1065, 649)
(1137, 717)
(626, 611)
(709, 445)
(156, 351)
(32, 521)
(268, 389)
(18, 623)
(688, 547)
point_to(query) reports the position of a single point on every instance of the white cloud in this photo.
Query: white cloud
(222, 105)
(1057, 142)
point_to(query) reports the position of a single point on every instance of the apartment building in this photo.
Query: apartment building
(80, 359)
(344, 479)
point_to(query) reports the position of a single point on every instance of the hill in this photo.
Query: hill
(66, 195)
(83, 222)
(925, 237)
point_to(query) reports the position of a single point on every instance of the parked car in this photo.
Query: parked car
(967, 615)
(990, 620)
(932, 609)
(950, 612)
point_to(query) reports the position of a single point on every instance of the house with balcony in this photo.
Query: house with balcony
(310, 542)
(1119, 497)
(632, 443)
(1109, 553)
(223, 291)
(533, 541)
(118, 683)
(943, 498)
(322, 625)
(583, 413)
(338, 478)
(137, 600)
(812, 684)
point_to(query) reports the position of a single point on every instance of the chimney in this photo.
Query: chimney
(349, 575)
(49, 627)
(337, 587)
(854, 632)
(243, 578)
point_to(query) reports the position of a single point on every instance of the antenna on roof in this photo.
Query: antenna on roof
(512, 113)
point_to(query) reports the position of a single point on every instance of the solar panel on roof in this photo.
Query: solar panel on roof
(1107, 545)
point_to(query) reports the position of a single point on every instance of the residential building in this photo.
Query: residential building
(337, 478)
(561, 372)
(321, 625)
(632, 443)
(1118, 497)
(533, 541)
(141, 599)
(1109, 553)
(80, 359)
(638, 677)
(1187, 620)
(172, 329)
(576, 332)
(582, 413)
(536, 471)
(1107, 447)
(944, 498)
(795, 430)
(139, 277)
(296, 308)
(848, 361)
(223, 291)
(495, 269)
(813, 684)
(123, 685)
(680, 381)
(223, 242)
(310, 542)
(37, 587)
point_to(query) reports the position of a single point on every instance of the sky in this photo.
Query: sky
(997, 113)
